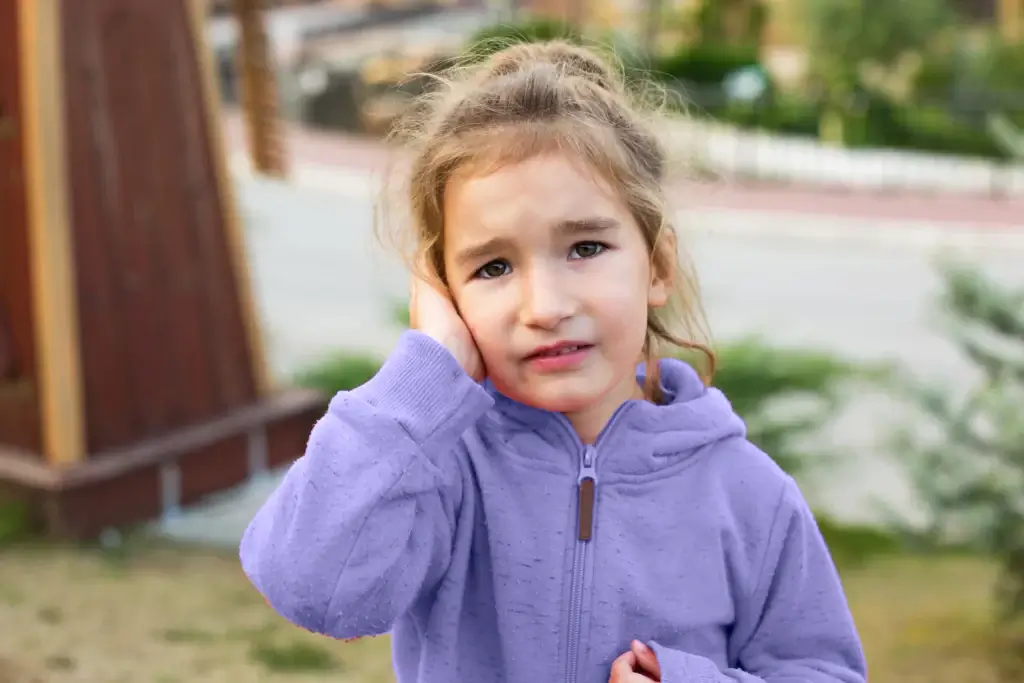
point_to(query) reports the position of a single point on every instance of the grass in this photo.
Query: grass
(296, 656)
(155, 612)
(924, 619)
(160, 613)
(15, 521)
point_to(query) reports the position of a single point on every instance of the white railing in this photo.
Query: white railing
(736, 154)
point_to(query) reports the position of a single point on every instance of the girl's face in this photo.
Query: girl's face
(553, 278)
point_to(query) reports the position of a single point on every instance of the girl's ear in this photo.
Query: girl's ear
(663, 267)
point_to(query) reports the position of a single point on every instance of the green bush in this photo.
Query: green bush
(493, 38)
(339, 373)
(989, 79)
(931, 129)
(880, 125)
(785, 115)
(16, 521)
(935, 130)
(852, 545)
(935, 78)
(760, 380)
(705, 64)
(1002, 65)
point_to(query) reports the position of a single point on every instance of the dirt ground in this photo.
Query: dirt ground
(164, 614)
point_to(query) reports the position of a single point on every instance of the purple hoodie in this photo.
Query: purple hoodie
(496, 547)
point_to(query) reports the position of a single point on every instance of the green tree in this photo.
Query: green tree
(785, 396)
(970, 474)
(844, 37)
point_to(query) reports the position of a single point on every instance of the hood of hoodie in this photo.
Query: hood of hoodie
(641, 437)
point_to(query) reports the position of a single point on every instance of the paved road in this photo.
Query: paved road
(863, 287)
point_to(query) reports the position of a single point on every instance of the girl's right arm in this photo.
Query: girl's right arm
(362, 524)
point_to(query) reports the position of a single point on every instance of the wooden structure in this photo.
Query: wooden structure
(259, 91)
(132, 375)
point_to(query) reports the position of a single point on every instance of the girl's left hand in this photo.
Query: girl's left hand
(638, 665)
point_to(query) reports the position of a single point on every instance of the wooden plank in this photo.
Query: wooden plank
(56, 319)
(111, 413)
(183, 441)
(232, 223)
(23, 468)
(18, 466)
(124, 108)
(19, 415)
(19, 403)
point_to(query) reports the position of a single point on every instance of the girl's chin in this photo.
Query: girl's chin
(552, 399)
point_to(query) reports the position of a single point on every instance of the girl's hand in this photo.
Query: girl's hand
(638, 665)
(432, 312)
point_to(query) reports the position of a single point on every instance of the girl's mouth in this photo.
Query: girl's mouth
(562, 356)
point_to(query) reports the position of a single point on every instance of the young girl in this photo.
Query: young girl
(511, 496)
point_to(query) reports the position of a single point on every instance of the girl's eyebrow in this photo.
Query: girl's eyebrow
(474, 253)
(588, 226)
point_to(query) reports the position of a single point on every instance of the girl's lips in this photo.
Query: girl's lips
(561, 358)
(558, 349)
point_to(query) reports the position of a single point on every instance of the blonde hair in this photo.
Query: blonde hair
(531, 98)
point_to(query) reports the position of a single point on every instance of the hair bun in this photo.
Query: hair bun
(567, 59)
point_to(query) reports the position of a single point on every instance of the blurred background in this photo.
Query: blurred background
(188, 268)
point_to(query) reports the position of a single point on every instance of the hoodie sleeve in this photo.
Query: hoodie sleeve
(362, 524)
(803, 631)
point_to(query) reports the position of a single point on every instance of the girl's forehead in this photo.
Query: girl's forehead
(550, 188)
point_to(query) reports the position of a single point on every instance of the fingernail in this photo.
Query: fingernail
(640, 646)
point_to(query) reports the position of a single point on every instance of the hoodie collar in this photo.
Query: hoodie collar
(641, 436)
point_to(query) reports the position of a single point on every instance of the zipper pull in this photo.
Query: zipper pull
(587, 482)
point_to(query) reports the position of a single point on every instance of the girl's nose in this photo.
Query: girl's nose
(545, 301)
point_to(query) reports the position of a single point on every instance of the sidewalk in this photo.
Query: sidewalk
(312, 152)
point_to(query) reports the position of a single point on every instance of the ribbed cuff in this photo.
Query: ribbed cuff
(426, 390)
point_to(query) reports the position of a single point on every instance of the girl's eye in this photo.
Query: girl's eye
(585, 250)
(493, 269)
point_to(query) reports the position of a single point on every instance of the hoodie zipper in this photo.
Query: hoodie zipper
(586, 492)
(586, 484)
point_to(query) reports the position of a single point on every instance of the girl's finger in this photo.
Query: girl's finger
(647, 660)
(622, 668)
